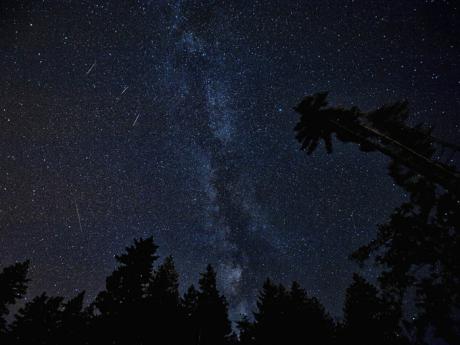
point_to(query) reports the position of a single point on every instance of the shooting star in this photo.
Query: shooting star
(124, 90)
(78, 215)
(136, 119)
(91, 68)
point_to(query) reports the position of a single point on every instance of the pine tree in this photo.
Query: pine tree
(128, 283)
(189, 306)
(214, 327)
(368, 317)
(38, 322)
(419, 245)
(13, 286)
(74, 323)
(307, 318)
(164, 288)
(190, 301)
(288, 317)
(164, 304)
(270, 321)
(123, 307)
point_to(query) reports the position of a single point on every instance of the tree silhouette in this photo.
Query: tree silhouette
(418, 247)
(163, 303)
(287, 317)
(129, 282)
(123, 306)
(75, 321)
(368, 317)
(189, 304)
(307, 318)
(211, 314)
(312, 129)
(384, 129)
(269, 317)
(141, 305)
(48, 320)
(13, 286)
(38, 321)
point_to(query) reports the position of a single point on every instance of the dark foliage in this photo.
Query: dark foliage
(369, 318)
(418, 247)
(211, 312)
(122, 307)
(384, 130)
(13, 285)
(48, 320)
(287, 317)
(141, 304)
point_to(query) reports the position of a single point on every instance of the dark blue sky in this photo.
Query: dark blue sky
(174, 119)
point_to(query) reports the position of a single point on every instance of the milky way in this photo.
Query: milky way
(174, 119)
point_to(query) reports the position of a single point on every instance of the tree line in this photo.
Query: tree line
(141, 304)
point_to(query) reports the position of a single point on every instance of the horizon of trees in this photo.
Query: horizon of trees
(141, 304)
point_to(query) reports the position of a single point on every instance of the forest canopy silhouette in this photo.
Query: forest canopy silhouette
(416, 249)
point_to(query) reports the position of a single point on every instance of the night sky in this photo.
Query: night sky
(126, 119)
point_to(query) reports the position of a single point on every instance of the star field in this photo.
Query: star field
(122, 119)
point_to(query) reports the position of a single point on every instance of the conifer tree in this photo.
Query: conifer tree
(74, 323)
(122, 307)
(13, 280)
(307, 318)
(38, 322)
(128, 283)
(368, 317)
(164, 287)
(269, 317)
(189, 306)
(164, 304)
(211, 314)
(13, 286)
(287, 317)
(418, 247)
